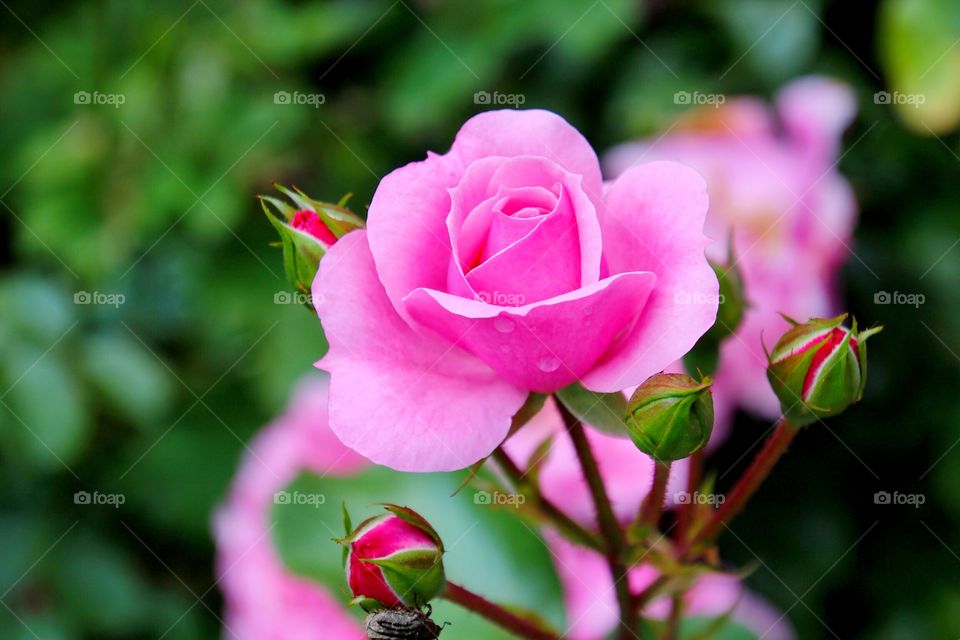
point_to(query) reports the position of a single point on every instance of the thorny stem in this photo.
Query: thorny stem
(570, 527)
(508, 620)
(614, 537)
(653, 504)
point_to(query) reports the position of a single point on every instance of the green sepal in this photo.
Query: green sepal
(670, 416)
(416, 576)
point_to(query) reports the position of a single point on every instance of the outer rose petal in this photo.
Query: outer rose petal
(406, 225)
(541, 346)
(410, 402)
(652, 220)
(532, 132)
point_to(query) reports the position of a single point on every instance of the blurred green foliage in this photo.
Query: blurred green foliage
(152, 394)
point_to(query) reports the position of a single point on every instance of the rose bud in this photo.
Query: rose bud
(308, 221)
(670, 416)
(394, 559)
(819, 368)
(307, 231)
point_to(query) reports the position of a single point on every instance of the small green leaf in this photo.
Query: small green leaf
(603, 411)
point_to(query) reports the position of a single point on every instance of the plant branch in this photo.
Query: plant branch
(496, 614)
(652, 505)
(614, 537)
(568, 526)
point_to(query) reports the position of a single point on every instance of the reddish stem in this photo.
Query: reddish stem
(685, 510)
(496, 614)
(653, 504)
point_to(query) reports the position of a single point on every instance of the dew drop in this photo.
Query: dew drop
(548, 364)
(504, 324)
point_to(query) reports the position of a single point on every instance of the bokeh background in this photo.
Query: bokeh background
(182, 351)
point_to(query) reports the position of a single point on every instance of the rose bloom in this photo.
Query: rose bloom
(264, 601)
(505, 266)
(773, 184)
(588, 590)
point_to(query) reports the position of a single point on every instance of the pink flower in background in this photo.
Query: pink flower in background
(500, 267)
(626, 472)
(264, 601)
(592, 607)
(772, 182)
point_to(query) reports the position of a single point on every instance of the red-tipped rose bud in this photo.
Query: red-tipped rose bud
(819, 368)
(309, 221)
(395, 559)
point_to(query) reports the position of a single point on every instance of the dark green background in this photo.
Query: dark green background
(155, 200)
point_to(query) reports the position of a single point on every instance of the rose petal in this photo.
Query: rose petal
(407, 401)
(541, 346)
(652, 220)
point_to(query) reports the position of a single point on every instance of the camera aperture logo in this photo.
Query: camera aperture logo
(499, 499)
(299, 498)
(896, 498)
(96, 498)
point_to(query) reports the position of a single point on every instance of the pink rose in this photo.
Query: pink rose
(773, 182)
(501, 267)
(264, 601)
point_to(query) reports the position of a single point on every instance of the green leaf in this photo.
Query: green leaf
(603, 411)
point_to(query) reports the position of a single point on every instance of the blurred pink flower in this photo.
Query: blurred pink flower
(264, 601)
(592, 607)
(626, 472)
(500, 267)
(773, 182)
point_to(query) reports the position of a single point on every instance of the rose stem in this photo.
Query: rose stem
(685, 511)
(513, 623)
(643, 598)
(561, 520)
(676, 614)
(653, 504)
(609, 527)
(748, 483)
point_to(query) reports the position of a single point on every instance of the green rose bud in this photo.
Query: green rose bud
(819, 368)
(670, 416)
